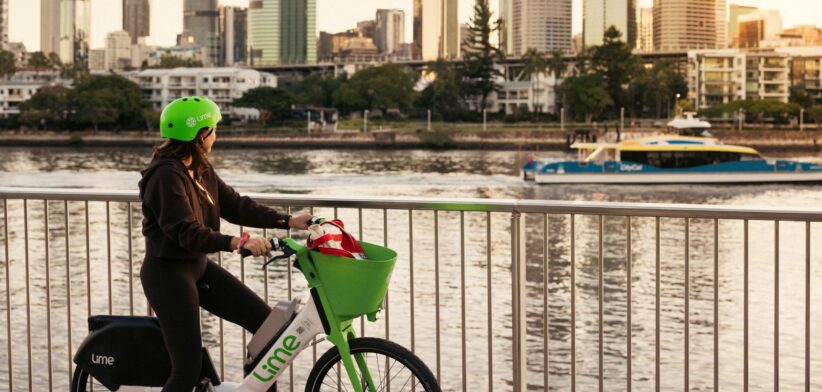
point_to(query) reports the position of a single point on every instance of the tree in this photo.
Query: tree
(8, 64)
(39, 60)
(49, 107)
(389, 86)
(556, 65)
(74, 71)
(653, 90)
(533, 65)
(615, 63)
(171, 61)
(273, 103)
(585, 96)
(109, 100)
(800, 96)
(442, 96)
(318, 90)
(815, 113)
(54, 60)
(480, 58)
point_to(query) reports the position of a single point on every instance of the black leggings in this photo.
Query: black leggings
(171, 287)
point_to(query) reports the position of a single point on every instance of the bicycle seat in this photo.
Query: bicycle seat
(99, 321)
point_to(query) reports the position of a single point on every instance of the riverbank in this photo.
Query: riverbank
(519, 140)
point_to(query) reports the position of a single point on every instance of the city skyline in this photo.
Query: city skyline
(164, 32)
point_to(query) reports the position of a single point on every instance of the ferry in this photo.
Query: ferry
(684, 158)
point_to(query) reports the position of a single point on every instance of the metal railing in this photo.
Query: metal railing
(458, 294)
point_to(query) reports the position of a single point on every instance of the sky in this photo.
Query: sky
(332, 16)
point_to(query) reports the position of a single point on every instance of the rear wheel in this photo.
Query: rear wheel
(392, 367)
(80, 381)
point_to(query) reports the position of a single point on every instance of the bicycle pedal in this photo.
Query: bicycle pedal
(204, 386)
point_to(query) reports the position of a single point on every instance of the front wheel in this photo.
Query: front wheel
(392, 368)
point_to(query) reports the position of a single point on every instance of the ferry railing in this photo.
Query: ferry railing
(509, 354)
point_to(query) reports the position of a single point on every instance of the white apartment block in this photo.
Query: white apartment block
(21, 86)
(222, 85)
(720, 76)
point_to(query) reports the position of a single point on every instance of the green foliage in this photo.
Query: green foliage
(318, 90)
(8, 64)
(800, 96)
(389, 86)
(616, 64)
(478, 61)
(653, 91)
(815, 114)
(759, 110)
(556, 64)
(171, 61)
(39, 60)
(442, 96)
(109, 100)
(273, 103)
(585, 96)
(48, 108)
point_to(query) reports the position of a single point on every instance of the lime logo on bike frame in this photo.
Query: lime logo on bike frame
(280, 355)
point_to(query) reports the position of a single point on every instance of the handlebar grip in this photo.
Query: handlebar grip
(245, 252)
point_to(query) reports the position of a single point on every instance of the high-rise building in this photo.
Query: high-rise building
(506, 33)
(805, 35)
(200, 19)
(734, 12)
(645, 42)
(436, 29)
(390, 30)
(136, 19)
(758, 26)
(50, 26)
(65, 29)
(233, 35)
(118, 50)
(298, 38)
(689, 24)
(544, 25)
(600, 15)
(282, 32)
(4, 23)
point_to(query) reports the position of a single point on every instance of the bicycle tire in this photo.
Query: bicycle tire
(388, 349)
(79, 381)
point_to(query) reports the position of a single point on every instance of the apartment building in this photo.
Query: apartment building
(721, 76)
(222, 85)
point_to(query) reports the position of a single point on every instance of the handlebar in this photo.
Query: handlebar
(279, 245)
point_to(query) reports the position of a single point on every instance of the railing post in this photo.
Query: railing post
(518, 299)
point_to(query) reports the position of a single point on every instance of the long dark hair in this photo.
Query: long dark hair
(181, 150)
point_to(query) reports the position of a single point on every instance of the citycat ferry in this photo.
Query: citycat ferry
(667, 159)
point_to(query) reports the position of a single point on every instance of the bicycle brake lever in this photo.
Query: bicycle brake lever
(287, 252)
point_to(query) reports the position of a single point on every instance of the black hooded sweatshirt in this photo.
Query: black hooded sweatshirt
(179, 221)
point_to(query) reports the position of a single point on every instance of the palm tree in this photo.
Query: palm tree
(534, 65)
(556, 65)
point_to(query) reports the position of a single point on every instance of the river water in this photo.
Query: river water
(461, 174)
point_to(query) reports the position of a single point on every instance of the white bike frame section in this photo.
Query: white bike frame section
(299, 335)
(296, 337)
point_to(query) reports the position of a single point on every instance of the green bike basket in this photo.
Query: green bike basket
(356, 287)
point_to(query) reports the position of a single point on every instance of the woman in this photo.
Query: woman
(183, 200)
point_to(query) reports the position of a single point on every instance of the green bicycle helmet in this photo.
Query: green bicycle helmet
(184, 117)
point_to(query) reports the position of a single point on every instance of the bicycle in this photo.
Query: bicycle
(127, 352)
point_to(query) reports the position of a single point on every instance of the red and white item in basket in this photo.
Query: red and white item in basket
(330, 238)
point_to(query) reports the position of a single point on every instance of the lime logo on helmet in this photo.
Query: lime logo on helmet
(191, 122)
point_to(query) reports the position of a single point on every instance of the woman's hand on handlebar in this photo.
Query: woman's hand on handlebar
(300, 221)
(257, 246)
